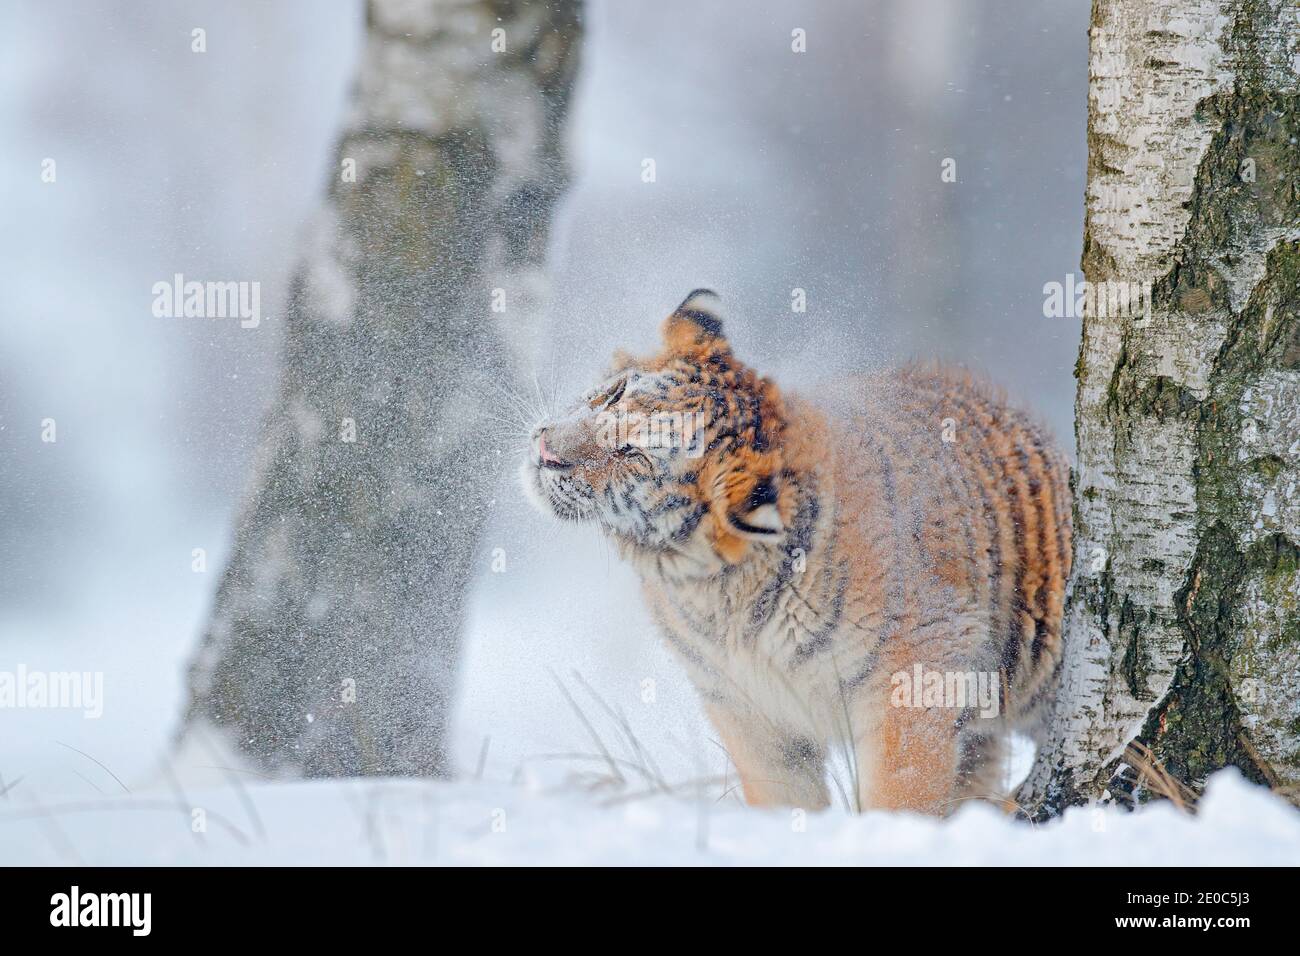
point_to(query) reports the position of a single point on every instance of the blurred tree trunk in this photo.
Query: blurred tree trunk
(333, 644)
(1183, 627)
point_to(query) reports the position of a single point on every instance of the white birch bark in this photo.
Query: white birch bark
(1191, 105)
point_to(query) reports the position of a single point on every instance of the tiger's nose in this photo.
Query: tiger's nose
(544, 455)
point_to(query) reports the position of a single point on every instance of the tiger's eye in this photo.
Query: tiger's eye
(609, 398)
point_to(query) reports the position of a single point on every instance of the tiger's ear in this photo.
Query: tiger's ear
(695, 326)
(744, 503)
(757, 517)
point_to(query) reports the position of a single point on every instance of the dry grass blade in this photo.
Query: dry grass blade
(640, 755)
(6, 787)
(125, 788)
(241, 792)
(610, 762)
(1159, 780)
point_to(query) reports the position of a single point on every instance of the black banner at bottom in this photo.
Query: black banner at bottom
(305, 905)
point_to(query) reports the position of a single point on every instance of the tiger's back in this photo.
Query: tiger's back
(974, 497)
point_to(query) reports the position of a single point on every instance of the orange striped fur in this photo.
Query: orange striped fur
(882, 570)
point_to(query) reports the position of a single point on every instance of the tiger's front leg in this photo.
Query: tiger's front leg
(776, 769)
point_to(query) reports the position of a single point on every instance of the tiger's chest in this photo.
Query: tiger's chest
(783, 653)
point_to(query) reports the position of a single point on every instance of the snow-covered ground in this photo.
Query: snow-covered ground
(533, 787)
(476, 823)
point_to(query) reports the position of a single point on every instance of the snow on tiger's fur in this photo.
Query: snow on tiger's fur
(881, 570)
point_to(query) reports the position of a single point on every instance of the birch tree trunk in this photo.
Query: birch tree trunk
(333, 644)
(1183, 626)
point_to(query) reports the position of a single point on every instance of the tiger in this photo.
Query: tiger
(878, 574)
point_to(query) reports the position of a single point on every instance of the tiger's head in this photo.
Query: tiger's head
(677, 456)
